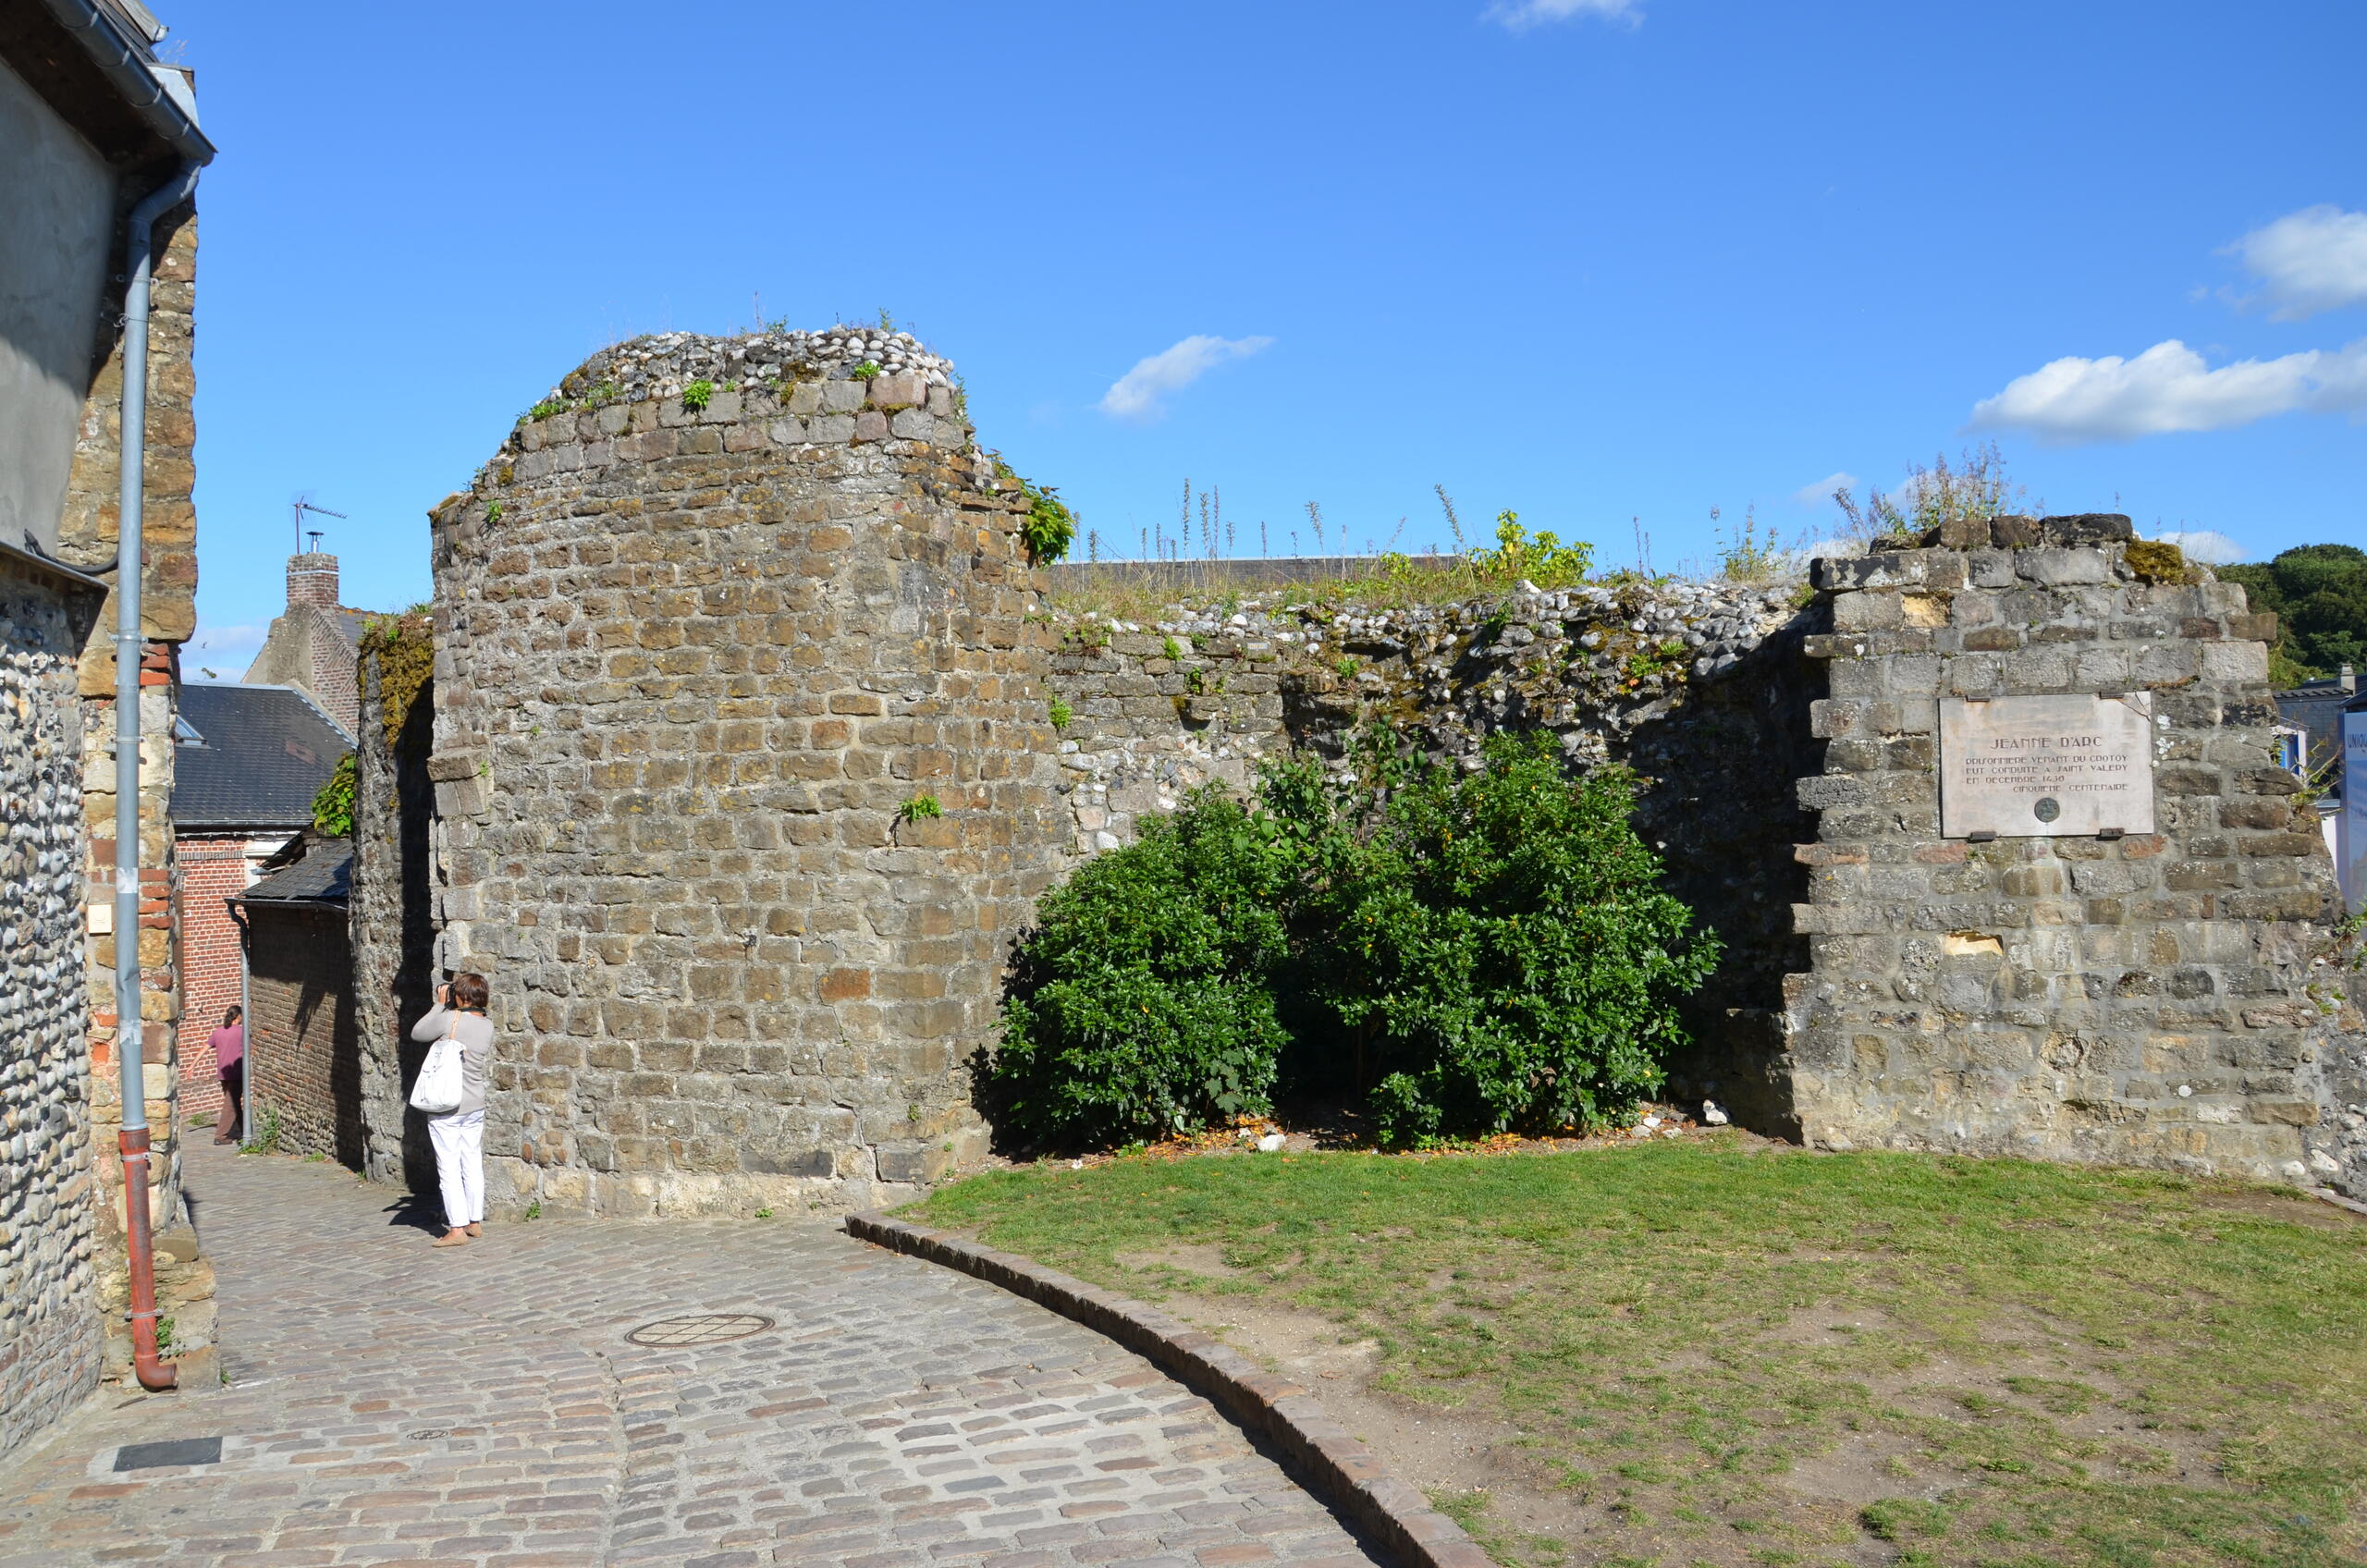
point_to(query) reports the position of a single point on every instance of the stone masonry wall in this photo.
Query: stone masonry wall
(2142, 1000)
(392, 916)
(698, 669)
(168, 589)
(49, 1356)
(1701, 687)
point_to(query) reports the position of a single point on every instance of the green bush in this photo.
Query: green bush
(1502, 937)
(1469, 952)
(1144, 1002)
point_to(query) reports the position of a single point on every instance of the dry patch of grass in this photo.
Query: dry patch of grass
(1685, 1353)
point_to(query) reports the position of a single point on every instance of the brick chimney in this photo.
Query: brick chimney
(312, 579)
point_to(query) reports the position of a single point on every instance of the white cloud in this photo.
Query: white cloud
(2202, 544)
(2169, 389)
(222, 652)
(1818, 493)
(1829, 549)
(1135, 396)
(1522, 15)
(2313, 260)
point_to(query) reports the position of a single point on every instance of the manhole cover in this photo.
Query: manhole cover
(705, 1328)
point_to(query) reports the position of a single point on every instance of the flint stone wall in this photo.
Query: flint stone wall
(48, 1209)
(693, 664)
(1701, 687)
(2145, 1000)
(391, 919)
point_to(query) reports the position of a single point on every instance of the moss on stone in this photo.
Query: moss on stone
(404, 650)
(2156, 560)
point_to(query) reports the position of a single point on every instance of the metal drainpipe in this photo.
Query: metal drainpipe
(153, 1374)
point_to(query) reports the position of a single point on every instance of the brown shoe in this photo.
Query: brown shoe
(452, 1239)
(476, 1227)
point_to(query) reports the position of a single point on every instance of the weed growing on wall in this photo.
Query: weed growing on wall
(1465, 953)
(698, 394)
(919, 808)
(1976, 487)
(333, 804)
(1050, 527)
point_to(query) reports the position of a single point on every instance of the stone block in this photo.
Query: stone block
(2056, 568)
(2234, 663)
(2089, 528)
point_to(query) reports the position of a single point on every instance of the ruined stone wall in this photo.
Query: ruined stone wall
(714, 631)
(2144, 1000)
(392, 907)
(1701, 687)
(48, 1213)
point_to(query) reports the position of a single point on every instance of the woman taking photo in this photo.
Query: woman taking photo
(459, 1135)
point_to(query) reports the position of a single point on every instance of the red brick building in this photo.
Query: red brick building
(303, 1054)
(247, 761)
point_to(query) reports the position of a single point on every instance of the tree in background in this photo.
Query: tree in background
(2319, 595)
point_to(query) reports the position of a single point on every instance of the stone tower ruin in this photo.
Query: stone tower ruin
(743, 774)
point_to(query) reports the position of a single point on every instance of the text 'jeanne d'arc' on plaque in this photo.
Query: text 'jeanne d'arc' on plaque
(2053, 767)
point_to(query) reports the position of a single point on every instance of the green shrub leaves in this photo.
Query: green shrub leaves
(1144, 1002)
(1468, 952)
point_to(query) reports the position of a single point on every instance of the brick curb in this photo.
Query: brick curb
(1341, 1471)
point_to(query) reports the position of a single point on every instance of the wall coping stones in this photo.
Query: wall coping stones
(1345, 1473)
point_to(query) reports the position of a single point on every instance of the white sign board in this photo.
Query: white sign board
(2350, 838)
(2025, 767)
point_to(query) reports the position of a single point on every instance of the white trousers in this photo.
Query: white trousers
(460, 1165)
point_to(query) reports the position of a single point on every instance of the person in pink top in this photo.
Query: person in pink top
(230, 1044)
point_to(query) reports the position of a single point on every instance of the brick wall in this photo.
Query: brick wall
(212, 867)
(303, 1062)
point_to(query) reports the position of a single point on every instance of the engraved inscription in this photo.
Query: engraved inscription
(2052, 766)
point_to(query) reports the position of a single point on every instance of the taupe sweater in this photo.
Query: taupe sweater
(474, 1033)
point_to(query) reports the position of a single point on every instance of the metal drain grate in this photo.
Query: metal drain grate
(705, 1328)
(158, 1456)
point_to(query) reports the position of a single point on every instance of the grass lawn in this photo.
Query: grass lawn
(1709, 1351)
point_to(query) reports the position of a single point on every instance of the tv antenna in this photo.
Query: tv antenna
(302, 506)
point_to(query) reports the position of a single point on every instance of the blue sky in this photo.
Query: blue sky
(1599, 261)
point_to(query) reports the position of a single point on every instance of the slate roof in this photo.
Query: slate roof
(323, 877)
(259, 755)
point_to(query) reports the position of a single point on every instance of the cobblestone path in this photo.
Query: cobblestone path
(391, 1404)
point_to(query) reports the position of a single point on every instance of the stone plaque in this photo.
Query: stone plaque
(2046, 766)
